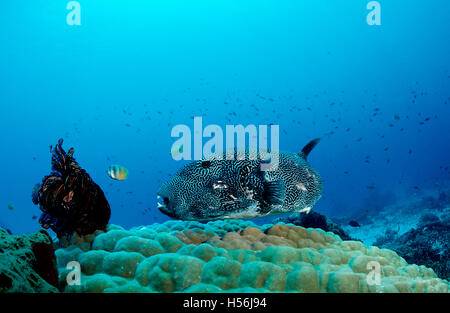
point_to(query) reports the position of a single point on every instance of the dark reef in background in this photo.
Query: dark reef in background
(314, 220)
(369, 209)
(27, 263)
(427, 244)
(69, 199)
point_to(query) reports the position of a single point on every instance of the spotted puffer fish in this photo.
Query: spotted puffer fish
(216, 188)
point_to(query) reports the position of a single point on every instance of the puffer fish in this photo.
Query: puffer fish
(117, 172)
(354, 224)
(219, 188)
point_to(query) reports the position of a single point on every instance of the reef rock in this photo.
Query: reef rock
(27, 263)
(427, 244)
(235, 256)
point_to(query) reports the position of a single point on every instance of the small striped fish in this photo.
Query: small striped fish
(117, 172)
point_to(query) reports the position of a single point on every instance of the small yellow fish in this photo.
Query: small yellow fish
(117, 172)
(11, 206)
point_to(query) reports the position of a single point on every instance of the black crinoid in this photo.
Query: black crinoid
(69, 199)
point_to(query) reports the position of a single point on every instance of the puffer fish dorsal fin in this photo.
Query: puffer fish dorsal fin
(307, 149)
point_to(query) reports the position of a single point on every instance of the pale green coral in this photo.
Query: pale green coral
(235, 256)
(262, 275)
(146, 247)
(222, 272)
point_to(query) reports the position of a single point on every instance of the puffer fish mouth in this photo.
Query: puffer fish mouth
(162, 206)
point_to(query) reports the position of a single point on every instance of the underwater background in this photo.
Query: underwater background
(114, 87)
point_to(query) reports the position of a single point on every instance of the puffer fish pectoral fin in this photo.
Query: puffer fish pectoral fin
(307, 149)
(274, 192)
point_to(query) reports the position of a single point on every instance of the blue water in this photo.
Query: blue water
(115, 86)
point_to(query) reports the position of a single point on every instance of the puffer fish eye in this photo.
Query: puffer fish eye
(206, 164)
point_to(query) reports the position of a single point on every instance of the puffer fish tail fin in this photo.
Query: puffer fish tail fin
(274, 192)
(307, 149)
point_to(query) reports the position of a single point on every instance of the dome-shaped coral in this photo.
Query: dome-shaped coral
(236, 256)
